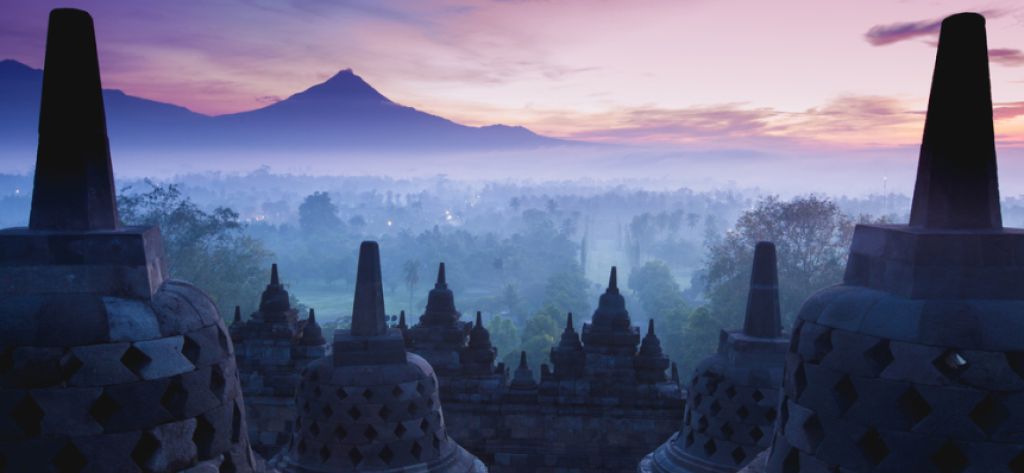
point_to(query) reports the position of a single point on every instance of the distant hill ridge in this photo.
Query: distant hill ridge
(344, 113)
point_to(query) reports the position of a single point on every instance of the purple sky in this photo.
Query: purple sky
(786, 74)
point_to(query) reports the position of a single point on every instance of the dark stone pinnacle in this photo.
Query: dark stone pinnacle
(763, 317)
(74, 181)
(368, 306)
(957, 183)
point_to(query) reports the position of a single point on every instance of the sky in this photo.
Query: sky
(711, 74)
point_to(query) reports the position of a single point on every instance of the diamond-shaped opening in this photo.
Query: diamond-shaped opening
(327, 411)
(354, 413)
(989, 414)
(757, 395)
(217, 381)
(814, 431)
(702, 424)
(190, 349)
(738, 455)
(950, 363)
(712, 386)
(1017, 464)
(325, 454)
(341, 394)
(314, 428)
(69, 365)
(416, 450)
(420, 388)
(792, 462)
(949, 459)
(302, 446)
(727, 431)
(697, 400)
(384, 412)
(430, 402)
(873, 447)
(425, 425)
(135, 360)
(145, 449)
(770, 414)
(715, 408)
(913, 406)
(175, 398)
(823, 345)
(203, 437)
(28, 416)
(743, 412)
(756, 433)
(368, 394)
(397, 391)
(689, 439)
(386, 455)
(314, 376)
(317, 392)
(103, 408)
(371, 433)
(710, 447)
(306, 407)
(340, 433)
(69, 459)
(730, 392)
(400, 430)
(879, 356)
(845, 394)
(413, 408)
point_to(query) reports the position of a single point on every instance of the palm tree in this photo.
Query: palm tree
(411, 269)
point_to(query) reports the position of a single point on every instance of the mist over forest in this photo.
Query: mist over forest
(524, 254)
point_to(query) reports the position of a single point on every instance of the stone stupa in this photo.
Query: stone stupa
(916, 362)
(372, 406)
(105, 364)
(732, 398)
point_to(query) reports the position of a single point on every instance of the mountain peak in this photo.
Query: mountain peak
(9, 69)
(344, 85)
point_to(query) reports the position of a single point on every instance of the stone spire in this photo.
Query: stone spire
(957, 184)
(651, 362)
(650, 346)
(401, 321)
(74, 180)
(763, 318)
(368, 317)
(477, 357)
(274, 301)
(611, 310)
(479, 336)
(523, 378)
(570, 339)
(312, 334)
(440, 303)
(568, 357)
(238, 315)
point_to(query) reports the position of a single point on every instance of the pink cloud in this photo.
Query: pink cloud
(1006, 56)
